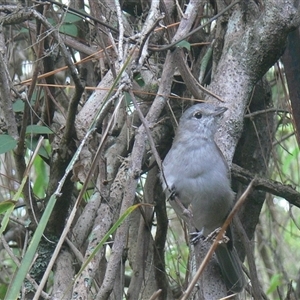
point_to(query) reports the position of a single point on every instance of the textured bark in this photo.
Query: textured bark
(252, 44)
(64, 270)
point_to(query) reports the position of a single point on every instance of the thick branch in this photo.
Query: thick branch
(250, 49)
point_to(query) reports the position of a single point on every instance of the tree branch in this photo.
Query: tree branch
(274, 187)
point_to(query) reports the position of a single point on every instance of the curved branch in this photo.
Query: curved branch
(243, 62)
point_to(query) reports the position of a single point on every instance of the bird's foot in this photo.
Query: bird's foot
(212, 236)
(195, 237)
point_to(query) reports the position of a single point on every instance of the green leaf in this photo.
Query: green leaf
(40, 183)
(275, 281)
(184, 44)
(32, 143)
(7, 143)
(18, 106)
(38, 129)
(72, 18)
(51, 21)
(69, 29)
(36, 96)
(139, 79)
(7, 209)
(6, 205)
(128, 99)
(3, 290)
(23, 30)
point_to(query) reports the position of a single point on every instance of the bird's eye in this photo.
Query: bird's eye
(198, 115)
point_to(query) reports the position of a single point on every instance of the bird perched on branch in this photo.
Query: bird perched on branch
(195, 177)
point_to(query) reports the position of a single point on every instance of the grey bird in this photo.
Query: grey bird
(196, 175)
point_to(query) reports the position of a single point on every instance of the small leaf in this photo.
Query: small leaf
(184, 44)
(69, 29)
(275, 281)
(7, 209)
(36, 95)
(32, 143)
(139, 79)
(3, 290)
(23, 30)
(18, 106)
(128, 99)
(7, 143)
(51, 21)
(72, 18)
(38, 129)
(6, 205)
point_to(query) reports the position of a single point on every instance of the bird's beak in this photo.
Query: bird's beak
(219, 110)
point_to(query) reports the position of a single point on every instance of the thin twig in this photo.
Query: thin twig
(85, 15)
(121, 31)
(146, 126)
(155, 295)
(205, 90)
(170, 46)
(264, 111)
(145, 39)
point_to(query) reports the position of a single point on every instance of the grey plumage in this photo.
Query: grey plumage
(197, 173)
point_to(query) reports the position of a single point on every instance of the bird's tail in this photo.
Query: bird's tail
(231, 268)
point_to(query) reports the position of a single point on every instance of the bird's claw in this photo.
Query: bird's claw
(212, 236)
(195, 237)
